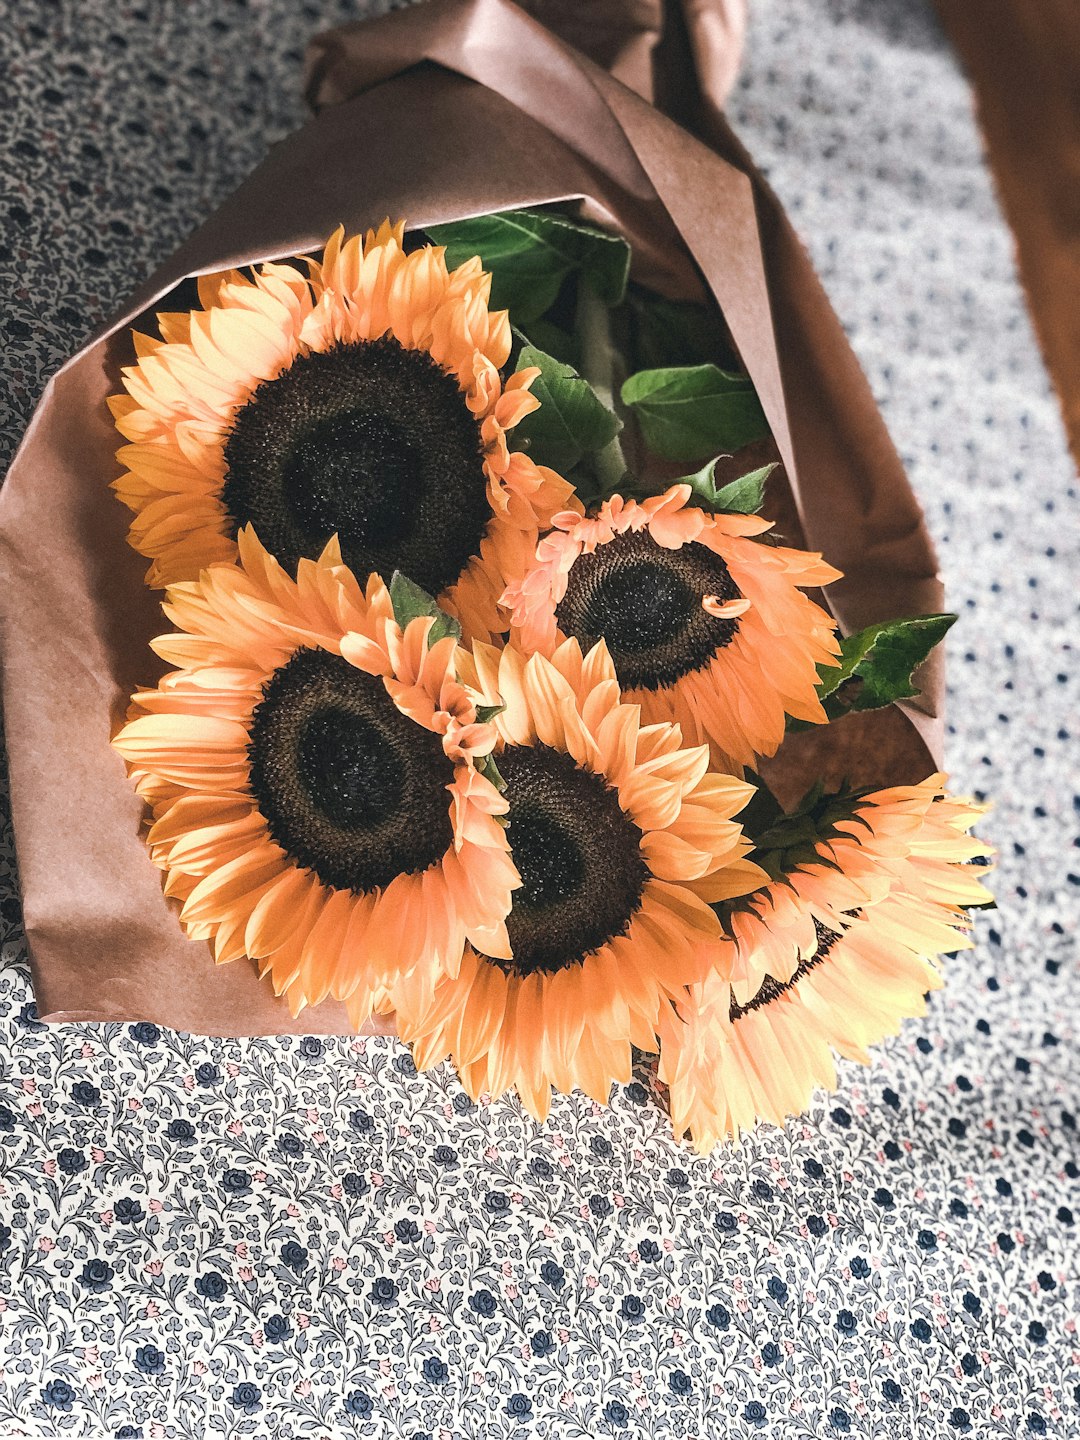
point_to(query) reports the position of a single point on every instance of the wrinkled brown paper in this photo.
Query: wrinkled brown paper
(448, 109)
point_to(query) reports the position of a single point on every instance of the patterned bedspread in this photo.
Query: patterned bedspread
(306, 1238)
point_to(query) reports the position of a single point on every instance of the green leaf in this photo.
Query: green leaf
(410, 602)
(693, 410)
(675, 332)
(486, 713)
(572, 421)
(553, 340)
(531, 252)
(744, 496)
(876, 664)
(491, 771)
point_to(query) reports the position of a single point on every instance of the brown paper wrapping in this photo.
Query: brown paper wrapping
(444, 110)
(1024, 64)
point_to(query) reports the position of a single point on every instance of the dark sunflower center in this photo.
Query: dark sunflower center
(579, 858)
(645, 601)
(370, 441)
(771, 989)
(349, 786)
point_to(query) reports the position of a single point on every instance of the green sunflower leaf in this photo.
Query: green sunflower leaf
(410, 602)
(688, 411)
(877, 663)
(492, 773)
(675, 332)
(572, 422)
(486, 713)
(531, 252)
(744, 496)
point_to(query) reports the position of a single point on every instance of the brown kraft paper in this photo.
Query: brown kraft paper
(448, 109)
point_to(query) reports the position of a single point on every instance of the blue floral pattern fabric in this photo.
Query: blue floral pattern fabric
(305, 1238)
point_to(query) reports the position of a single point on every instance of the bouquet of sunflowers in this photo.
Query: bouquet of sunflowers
(481, 640)
(508, 701)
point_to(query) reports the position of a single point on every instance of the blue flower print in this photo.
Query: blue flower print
(407, 1231)
(83, 1093)
(632, 1308)
(553, 1274)
(679, 1383)
(755, 1413)
(542, 1344)
(277, 1330)
(181, 1131)
(129, 1212)
(207, 1075)
(212, 1285)
(58, 1394)
(246, 1397)
(383, 1293)
(616, 1413)
(71, 1162)
(294, 1255)
(150, 1360)
(354, 1184)
(96, 1276)
(28, 1017)
(519, 1406)
(359, 1403)
(483, 1303)
(649, 1251)
(435, 1371)
(145, 1033)
(236, 1182)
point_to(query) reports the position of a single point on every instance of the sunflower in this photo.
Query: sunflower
(614, 828)
(829, 956)
(310, 772)
(703, 621)
(361, 398)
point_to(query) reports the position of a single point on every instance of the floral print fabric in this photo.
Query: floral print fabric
(304, 1238)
